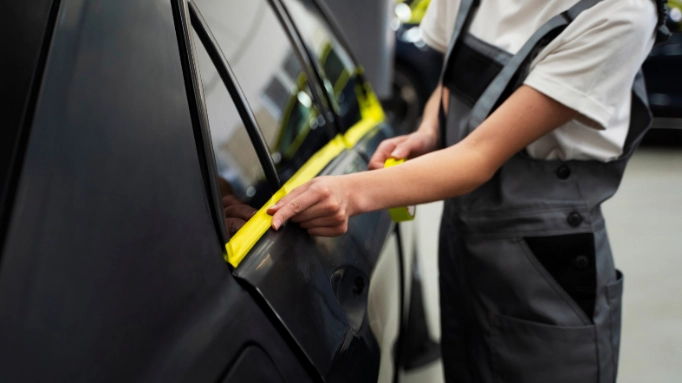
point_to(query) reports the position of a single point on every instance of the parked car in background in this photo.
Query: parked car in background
(417, 70)
(416, 67)
(142, 142)
(663, 74)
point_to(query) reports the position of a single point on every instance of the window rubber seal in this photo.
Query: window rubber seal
(306, 58)
(197, 107)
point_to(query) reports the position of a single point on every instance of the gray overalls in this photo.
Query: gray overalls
(529, 292)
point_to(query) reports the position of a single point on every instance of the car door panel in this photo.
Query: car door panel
(302, 279)
(316, 287)
(112, 270)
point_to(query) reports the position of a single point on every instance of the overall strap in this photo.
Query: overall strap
(463, 20)
(497, 87)
(640, 116)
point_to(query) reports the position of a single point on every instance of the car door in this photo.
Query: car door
(112, 267)
(317, 287)
(361, 117)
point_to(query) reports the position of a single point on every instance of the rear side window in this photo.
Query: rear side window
(276, 88)
(240, 172)
(339, 71)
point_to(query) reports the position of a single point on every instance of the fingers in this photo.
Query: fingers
(384, 151)
(403, 149)
(284, 200)
(290, 206)
(321, 206)
(322, 209)
(241, 211)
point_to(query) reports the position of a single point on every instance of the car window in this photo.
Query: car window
(339, 71)
(274, 84)
(240, 172)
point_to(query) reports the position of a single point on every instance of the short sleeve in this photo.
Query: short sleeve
(591, 65)
(438, 23)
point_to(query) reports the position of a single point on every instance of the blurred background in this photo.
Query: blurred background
(644, 219)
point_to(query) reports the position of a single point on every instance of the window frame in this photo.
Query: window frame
(197, 107)
(229, 79)
(188, 15)
(337, 32)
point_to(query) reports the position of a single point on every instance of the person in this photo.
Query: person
(539, 107)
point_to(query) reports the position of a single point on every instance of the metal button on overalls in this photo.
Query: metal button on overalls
(504, 316)
(574, 219)
(563, 172)
(581, 262)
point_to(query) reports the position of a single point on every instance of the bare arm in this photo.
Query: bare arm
(429, 124)
(324, 204)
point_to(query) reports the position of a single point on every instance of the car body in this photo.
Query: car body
(126, 125)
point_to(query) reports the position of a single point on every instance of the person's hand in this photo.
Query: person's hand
(322, 206)
(408, 146)
(236, 213)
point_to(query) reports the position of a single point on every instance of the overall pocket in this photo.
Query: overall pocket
(532, 352)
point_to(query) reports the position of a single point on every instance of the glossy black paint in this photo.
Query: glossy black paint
(296, 274)
(199, 118)
(21, 68)
(112, 269)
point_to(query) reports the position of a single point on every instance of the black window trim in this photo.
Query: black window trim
(230, 81)
(195, 99)
(343, 41)
(309, 63)
(185, 11)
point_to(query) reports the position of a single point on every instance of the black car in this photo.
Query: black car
(132, 133)
(663, 74)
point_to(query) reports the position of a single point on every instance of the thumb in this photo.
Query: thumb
(402, 150)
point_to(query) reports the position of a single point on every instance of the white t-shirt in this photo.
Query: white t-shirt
(589, 67)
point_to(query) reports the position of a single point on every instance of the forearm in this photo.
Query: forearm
(323, 205)
(524, 117)
(432, 177)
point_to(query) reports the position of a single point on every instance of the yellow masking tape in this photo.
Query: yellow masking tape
(372, 114)
(399, 214)
(243, 241)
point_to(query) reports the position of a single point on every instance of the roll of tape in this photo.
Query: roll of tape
(403, 213)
